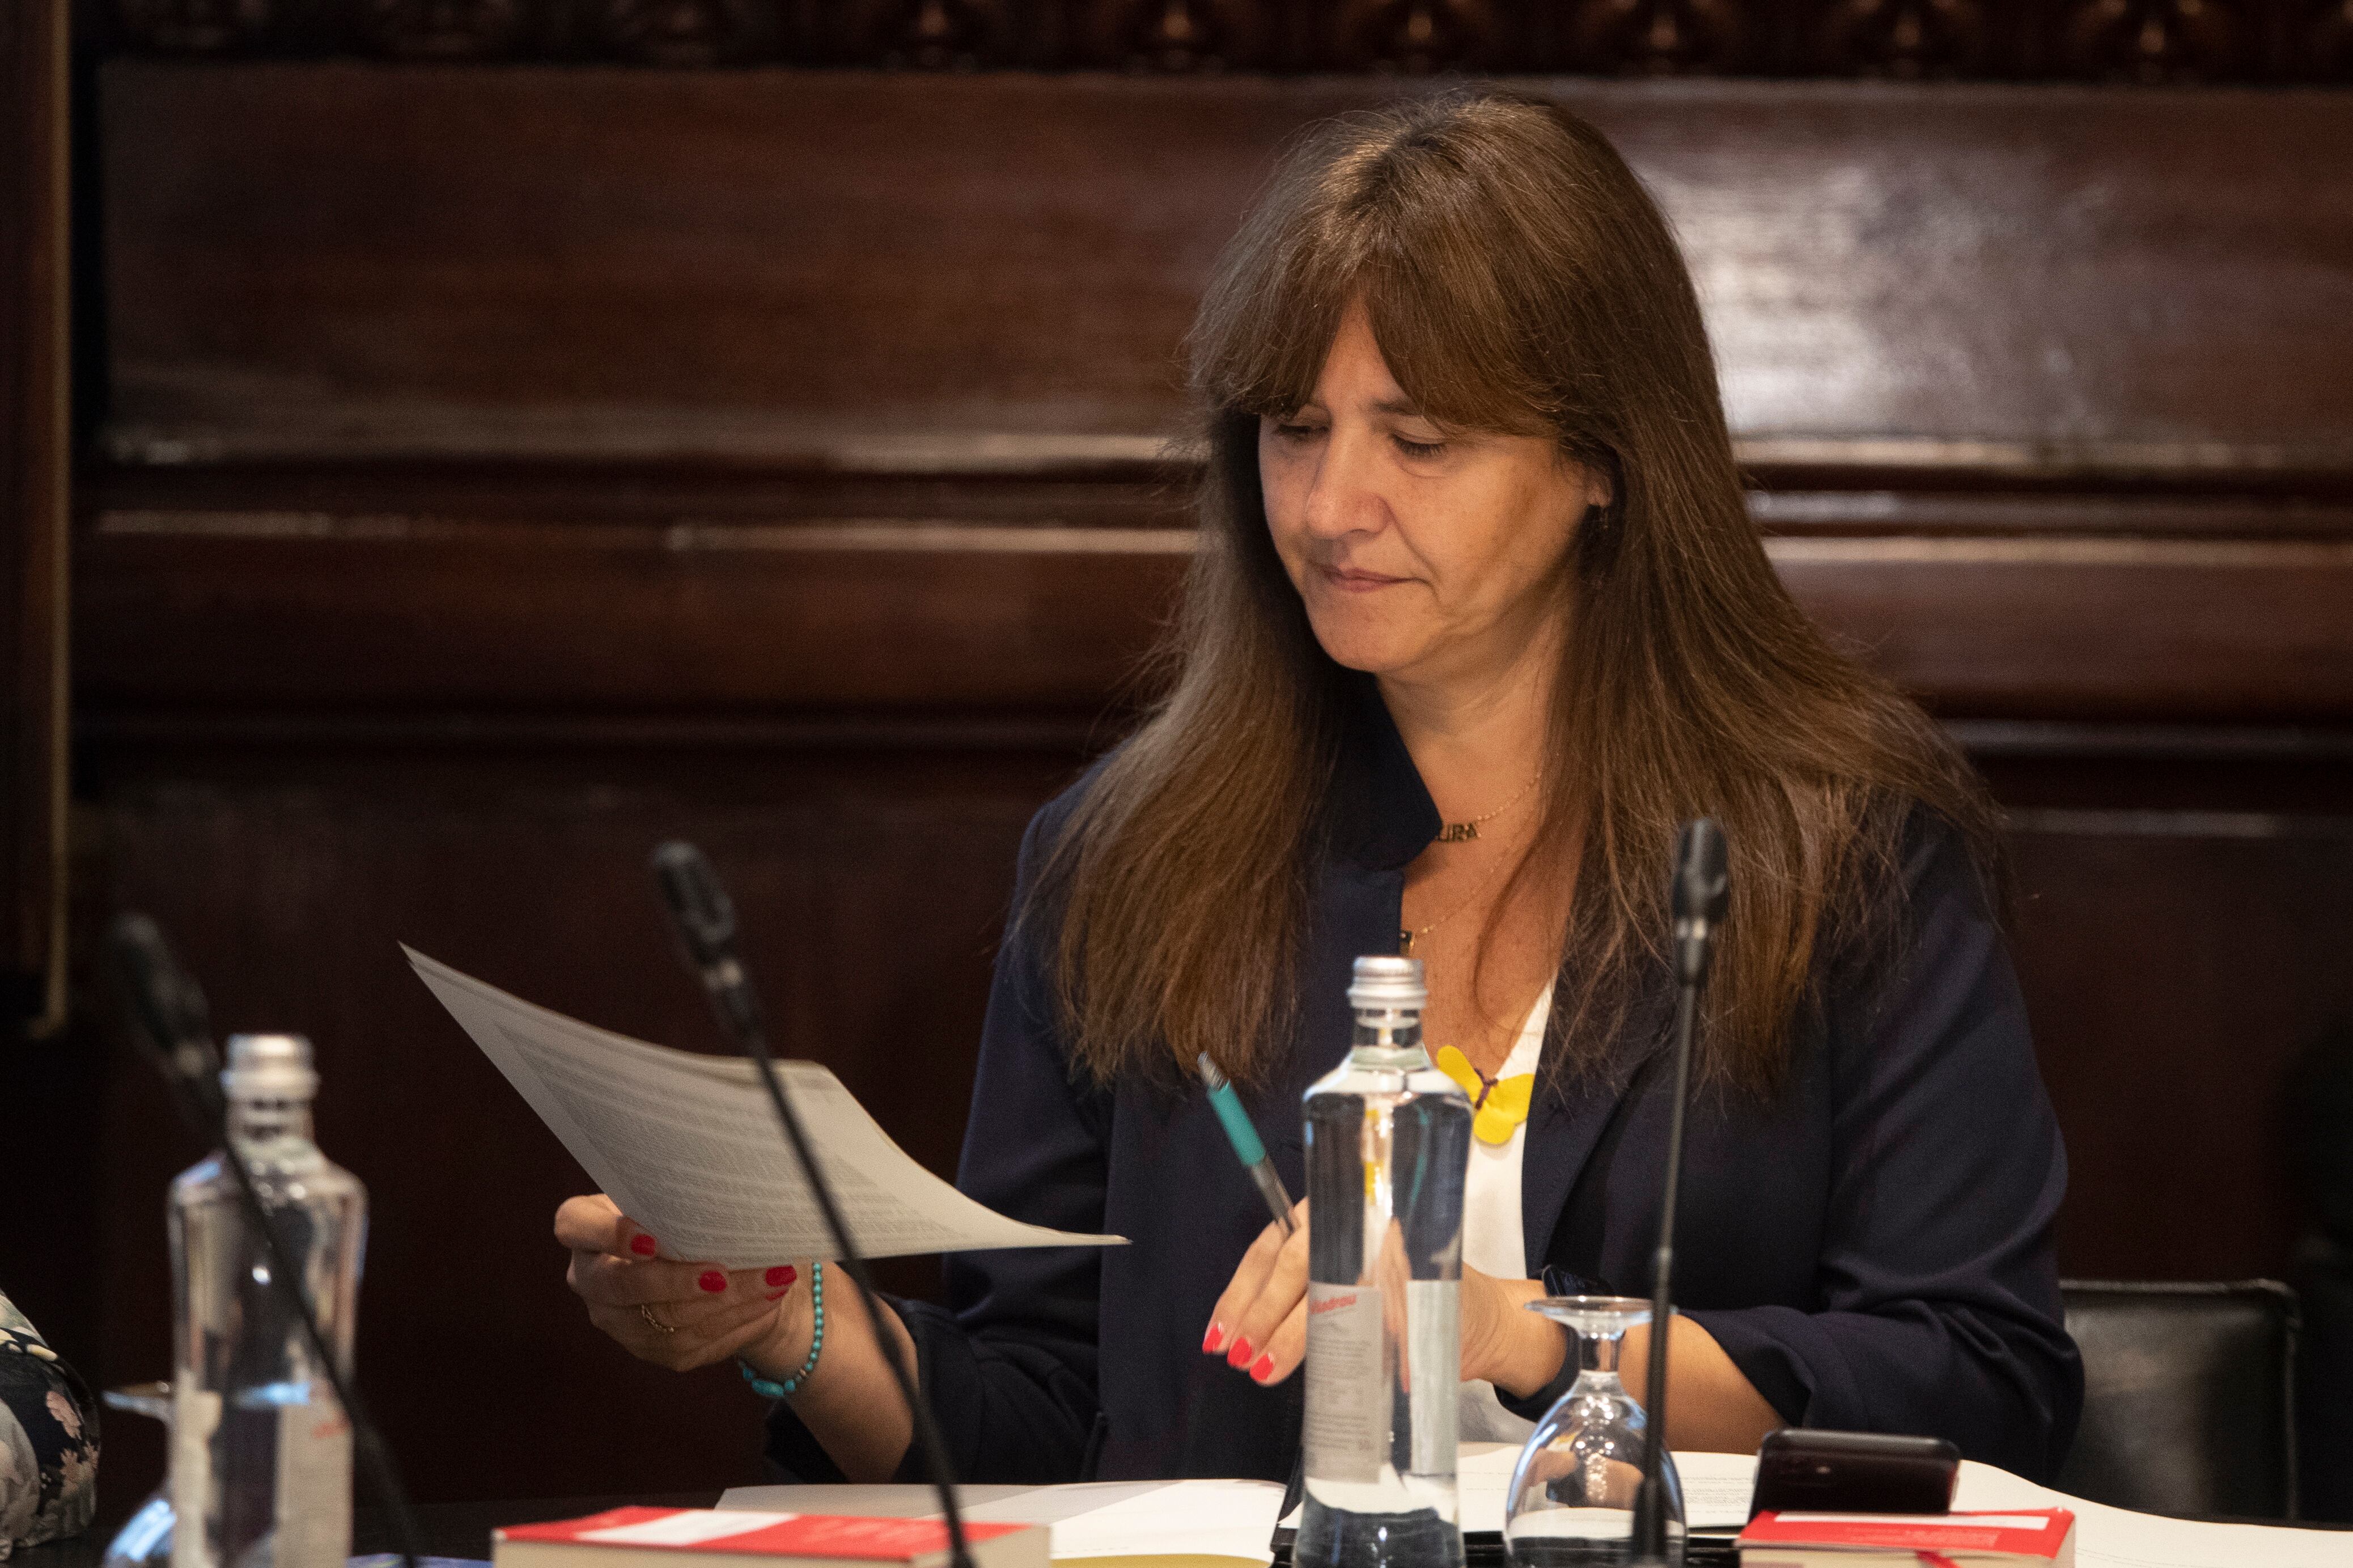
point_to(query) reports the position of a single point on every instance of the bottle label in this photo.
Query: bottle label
(196, 1417)
(314, 1484)
(1433, 1359)
(1346, 1430)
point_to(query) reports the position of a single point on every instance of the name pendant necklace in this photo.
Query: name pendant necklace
(1464, 833)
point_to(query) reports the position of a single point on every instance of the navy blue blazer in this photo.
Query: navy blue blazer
(1873, 1246)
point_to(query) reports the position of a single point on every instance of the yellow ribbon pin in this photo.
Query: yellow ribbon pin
(1501, 1104)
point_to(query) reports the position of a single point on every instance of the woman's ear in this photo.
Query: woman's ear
(1597, 530)
(1592, 478)
(1598, 491)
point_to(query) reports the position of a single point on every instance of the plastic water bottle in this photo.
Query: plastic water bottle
(1388, 1150)
(261, 1451)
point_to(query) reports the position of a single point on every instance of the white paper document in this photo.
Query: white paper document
(1089, 1519)
(689, 1148)
(1190, 1518)
(1716, 1489)
(2119, 1538)
(1233, 1518)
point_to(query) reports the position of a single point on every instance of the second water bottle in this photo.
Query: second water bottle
(1388, 1147)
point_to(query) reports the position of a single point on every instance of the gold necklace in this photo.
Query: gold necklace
(1463, 832)
(1408, 935)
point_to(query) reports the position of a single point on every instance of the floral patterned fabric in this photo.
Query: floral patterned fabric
(48, 1439)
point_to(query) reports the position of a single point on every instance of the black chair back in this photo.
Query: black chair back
(2188, 1402)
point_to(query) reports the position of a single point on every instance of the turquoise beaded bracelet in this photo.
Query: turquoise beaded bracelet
(768, 1387)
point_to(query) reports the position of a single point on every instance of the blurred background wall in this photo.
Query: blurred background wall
(508, 432)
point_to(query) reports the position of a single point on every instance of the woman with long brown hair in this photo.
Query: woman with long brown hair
(1478, 616)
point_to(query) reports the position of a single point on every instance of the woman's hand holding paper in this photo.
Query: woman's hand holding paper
(688, 1315)
(677, 1315)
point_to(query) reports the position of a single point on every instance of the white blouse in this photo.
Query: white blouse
(1493, 1241)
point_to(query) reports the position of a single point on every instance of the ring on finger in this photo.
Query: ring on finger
(655, 1323)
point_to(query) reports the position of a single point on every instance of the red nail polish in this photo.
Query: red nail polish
(643, 1246)
(778, 1295)
(1214, 1341)
(782, 1274)
(1239, 1355)
(712, 1280)
(1265, 1368)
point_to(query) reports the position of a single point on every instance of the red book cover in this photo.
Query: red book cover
(2039, 1535)
(744, 1533)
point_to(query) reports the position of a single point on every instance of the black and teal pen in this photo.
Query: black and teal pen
(1244, 1137)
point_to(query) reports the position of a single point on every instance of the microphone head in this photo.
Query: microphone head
(698, 905)
(1702, 882)
(166, 1009)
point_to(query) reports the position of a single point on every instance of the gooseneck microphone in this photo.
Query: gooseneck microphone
(705, 919)
(1701, 890)
(172, 1025)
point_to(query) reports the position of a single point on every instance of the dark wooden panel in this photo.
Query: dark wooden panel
(286, 896)
(2176, 966)
(875, 272)
(2056, 765)
(184, 611)
(533, 620)
(2106, 628)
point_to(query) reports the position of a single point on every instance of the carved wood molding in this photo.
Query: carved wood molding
(2177, 41)
(879, 618)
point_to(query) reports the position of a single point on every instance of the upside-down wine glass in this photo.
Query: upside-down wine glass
(145, 1540)
(1571, 1503)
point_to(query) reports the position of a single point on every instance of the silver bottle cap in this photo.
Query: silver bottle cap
(1387, 983)
(270, 1066)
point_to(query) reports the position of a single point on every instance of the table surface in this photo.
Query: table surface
(463, 1528)
(448, 1528)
